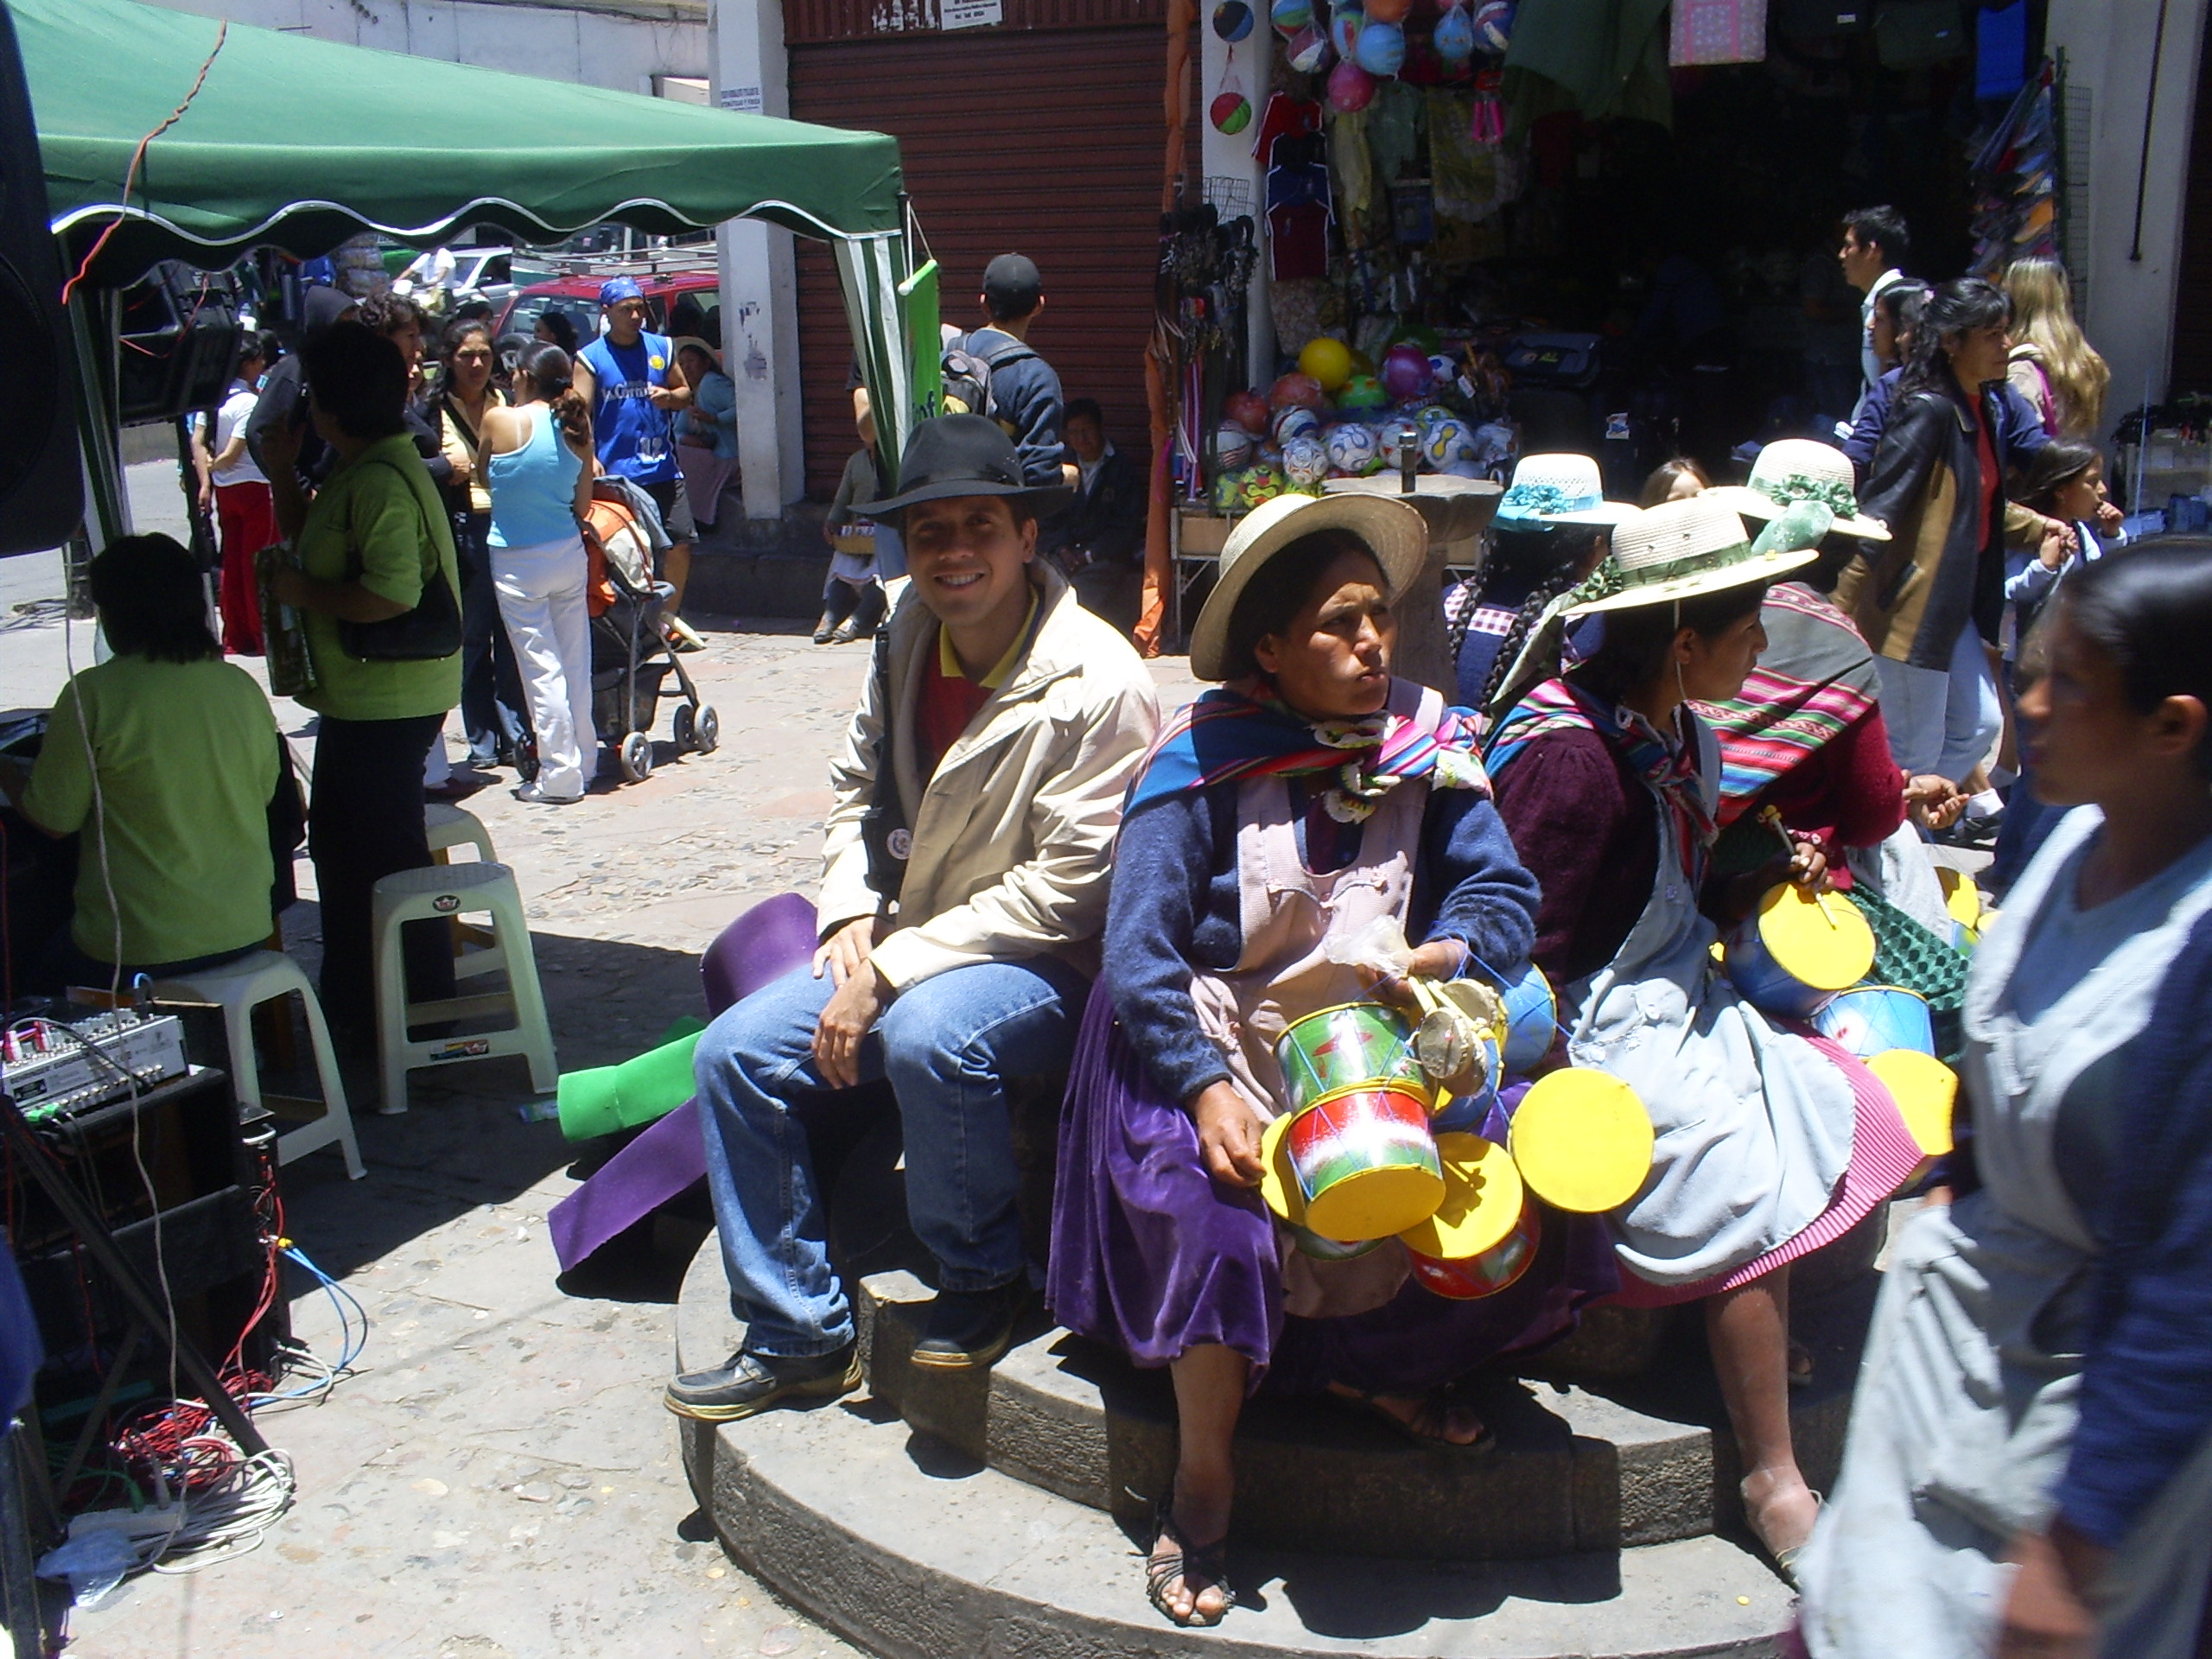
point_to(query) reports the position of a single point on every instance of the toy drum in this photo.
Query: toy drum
(1365, 1161)
(1798, 950)
(1582, 1140)
(1497, 1268)
(1531, 1018)
(1925, 1090)
(1345, 1047)
(1279, 1187)
(1464, 1113)
(1871, 1019)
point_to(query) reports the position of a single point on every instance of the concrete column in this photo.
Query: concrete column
(2131, 286)
(1229, 159)
(759, 303)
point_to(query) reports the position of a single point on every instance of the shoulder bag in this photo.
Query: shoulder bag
(429, 633)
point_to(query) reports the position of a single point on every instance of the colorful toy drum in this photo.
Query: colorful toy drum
(1798, 950)
(1531, 1018)
(1495, 1270)
(1366, 1161)
(1463, 1114)
(1871, 1019)
(1279, 1187)
(1582, 1140)
(1341, 1047)
(1925, 1090)
(1483, 1198)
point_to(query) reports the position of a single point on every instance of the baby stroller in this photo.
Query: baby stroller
(631, 658)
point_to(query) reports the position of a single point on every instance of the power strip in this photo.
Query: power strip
(49, 1069)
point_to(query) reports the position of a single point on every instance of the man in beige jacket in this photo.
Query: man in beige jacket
(964, 889)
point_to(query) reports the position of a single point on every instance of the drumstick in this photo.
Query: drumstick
(1771, 817)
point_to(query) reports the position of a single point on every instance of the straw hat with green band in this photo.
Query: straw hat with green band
(1679, 550)
(1790, 470)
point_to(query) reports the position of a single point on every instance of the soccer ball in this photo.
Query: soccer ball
(1448, 445)
(1259, 484)
(1235, 445)
(1352, 449)
(1493, 21)
(1306, 460)
(1295, 421)
(1394, 448)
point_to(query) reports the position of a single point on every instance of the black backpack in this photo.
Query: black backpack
(966, 373)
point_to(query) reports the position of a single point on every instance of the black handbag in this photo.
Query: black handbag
(429, 633)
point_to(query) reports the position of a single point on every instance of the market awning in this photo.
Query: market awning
(301, 143)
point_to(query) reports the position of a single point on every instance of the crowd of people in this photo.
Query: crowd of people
(1030, 872)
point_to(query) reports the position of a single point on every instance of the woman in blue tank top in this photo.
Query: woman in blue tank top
(536, 459)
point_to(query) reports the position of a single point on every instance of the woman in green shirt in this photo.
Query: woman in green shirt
(162, 760)
(367, 547)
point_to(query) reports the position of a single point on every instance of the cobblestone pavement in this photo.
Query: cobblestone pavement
(497, 1479)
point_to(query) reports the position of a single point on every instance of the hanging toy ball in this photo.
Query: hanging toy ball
(1344, 24)
(1387, 11)
(1289, 16)
(1455, 35)
(1493, 21)
(1327, 361)
(1405, 372)
(1308, 51)
(1382, 49)
(1350, 88)
(1231, 112)
(1232, 20)
(1302, 390)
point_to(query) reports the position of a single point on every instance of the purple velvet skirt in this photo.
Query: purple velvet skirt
(1152, 1256)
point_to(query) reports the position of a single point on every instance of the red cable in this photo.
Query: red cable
(137, 156)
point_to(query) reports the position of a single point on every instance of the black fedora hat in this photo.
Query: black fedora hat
(963, 454)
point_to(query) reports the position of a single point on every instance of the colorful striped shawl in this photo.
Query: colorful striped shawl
(1815, 678)
(1234, 732)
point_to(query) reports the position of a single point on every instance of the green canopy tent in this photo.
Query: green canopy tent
(166, 136)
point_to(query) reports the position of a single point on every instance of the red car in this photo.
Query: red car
(677, 303)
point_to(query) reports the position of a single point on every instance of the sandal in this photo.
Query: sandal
(1785, 1561)
(1207, 1568)
(1799, 1379)
(1427, 1425)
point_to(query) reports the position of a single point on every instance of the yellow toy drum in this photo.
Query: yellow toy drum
(1483, 1235)
(1345, 1047)
(1279, 1188)
(1582, 1140)
(1925, 1090)
(1797, 950)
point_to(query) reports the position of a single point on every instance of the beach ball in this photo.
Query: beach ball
(1231, 112)
(1493, 22)
(1362, 391)
(1291, 16)
(1344, 30)
(1295, 388)
(1235, 445)
(1398, 440)
(1350, 88)
(1352, 449)
(1406, 373)
(1232, 20)
(1328, 360)
(1455, 35)
(1248, 410)
(1448, 445)
(1382, 49)
(1308, 50)
(1306, 460)
(1295, 421)
(1386, 11)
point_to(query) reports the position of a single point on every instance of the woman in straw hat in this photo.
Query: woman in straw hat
(1307, 799)
(1769, 1144)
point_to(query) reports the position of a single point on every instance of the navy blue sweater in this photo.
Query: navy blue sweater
(1174, 909)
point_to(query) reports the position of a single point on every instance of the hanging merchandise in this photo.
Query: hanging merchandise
(1382, 50)
(1308, 51)
(1493, 21)
(1486, 120)
(1248, 410)
(1344, 24)
(1296, 391)
(1350, 88)
(1231, 112)
(1291, 17)
(1328, 360)
(1232, 21)
(1234, 445)
(1387, 11)
(1717, 31)
(2015, 173)
(1455, 35)
(1406, 373)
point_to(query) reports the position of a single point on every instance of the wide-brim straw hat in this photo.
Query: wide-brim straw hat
(1679, 550)
(1557, 489)
(1394, 533)
(1790, 470)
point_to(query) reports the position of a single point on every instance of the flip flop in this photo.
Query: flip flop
(1426, 1427)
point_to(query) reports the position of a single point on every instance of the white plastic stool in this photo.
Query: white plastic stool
(439, 893)
(450, 827)
(239, 988)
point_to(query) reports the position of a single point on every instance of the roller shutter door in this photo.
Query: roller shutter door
(1044, 140)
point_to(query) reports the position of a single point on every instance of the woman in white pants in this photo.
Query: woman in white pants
(536, 458)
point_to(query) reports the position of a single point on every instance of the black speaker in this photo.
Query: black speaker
(180, 342)
(41, 486)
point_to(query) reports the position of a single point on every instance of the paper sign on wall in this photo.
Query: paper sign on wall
(746, 101)
(970, 14)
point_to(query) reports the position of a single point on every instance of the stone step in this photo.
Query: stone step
(1614, 1464)
(915, 1551)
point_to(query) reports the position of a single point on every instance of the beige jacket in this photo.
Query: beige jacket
(1011, 833)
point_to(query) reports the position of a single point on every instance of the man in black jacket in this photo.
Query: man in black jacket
(1099, 540)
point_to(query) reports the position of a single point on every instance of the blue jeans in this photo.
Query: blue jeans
(948, 1046)
(1942, 720)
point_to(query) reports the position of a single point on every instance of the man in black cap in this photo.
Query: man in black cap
(964, 892)
(1025, 392)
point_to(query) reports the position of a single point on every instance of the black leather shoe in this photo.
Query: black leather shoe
(967, 1328)
(751, 1383)
(824, 628)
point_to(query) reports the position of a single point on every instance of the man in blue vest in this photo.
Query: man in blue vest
(636, 386)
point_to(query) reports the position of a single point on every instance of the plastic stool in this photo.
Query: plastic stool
(240, 988)
(435, 894)
(450, 827)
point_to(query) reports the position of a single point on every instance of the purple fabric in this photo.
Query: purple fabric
(1152, 1256)
(765, 943)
